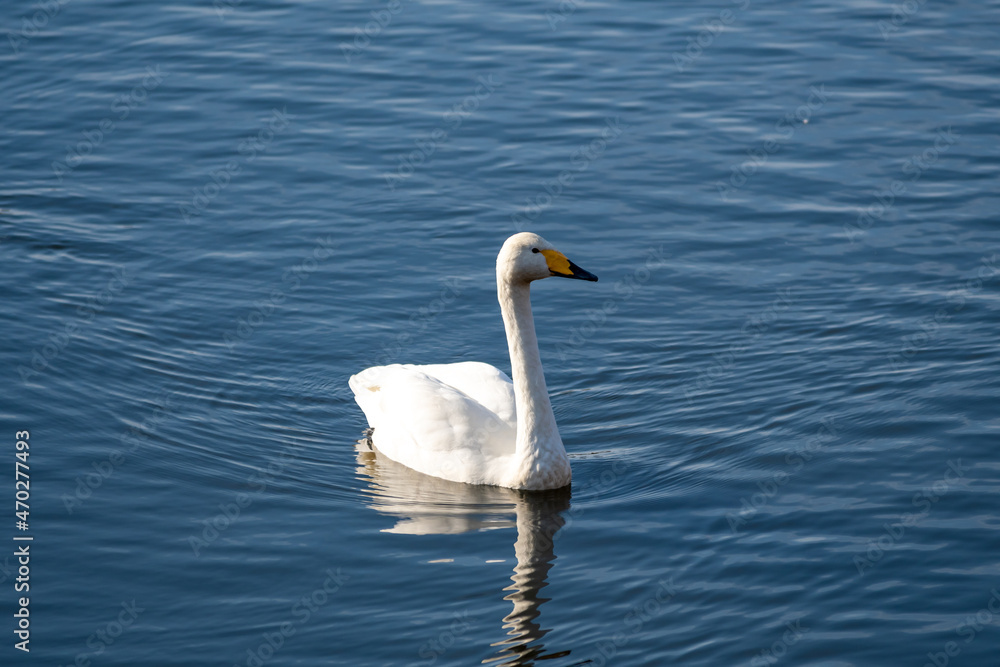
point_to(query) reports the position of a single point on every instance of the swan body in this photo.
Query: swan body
(469, 422)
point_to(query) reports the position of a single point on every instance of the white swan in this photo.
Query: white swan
(467, 422)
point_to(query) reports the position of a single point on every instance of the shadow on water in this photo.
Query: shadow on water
(424, 505)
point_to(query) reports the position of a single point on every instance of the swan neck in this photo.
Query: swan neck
(538, 441)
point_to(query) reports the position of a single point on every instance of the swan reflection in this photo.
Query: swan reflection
(424, 505)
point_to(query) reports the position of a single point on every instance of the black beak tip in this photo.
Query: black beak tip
(581, 274)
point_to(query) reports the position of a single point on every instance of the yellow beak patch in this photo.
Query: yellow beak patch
(557, 262)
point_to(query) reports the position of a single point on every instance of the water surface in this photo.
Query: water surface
(780, 400)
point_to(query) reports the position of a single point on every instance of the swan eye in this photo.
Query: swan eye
(535, 250)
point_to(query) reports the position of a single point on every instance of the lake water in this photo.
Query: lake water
(780, 400)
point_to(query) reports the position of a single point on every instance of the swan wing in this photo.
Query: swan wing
(432, 426)
(486, 384)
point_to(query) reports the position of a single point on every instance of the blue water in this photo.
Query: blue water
(780, 400)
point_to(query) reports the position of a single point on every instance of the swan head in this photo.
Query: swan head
(526, 256)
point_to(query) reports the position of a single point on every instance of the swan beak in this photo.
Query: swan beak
(560, 266)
